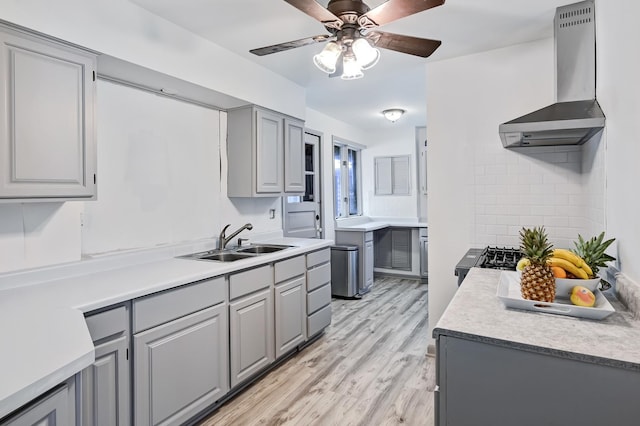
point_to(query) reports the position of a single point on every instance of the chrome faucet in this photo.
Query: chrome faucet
(223, 239)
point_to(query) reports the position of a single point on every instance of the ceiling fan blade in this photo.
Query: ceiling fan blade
(267, 50)
(396, 9)
(316, 11)
(423, 47)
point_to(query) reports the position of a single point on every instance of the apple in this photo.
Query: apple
(582, 296)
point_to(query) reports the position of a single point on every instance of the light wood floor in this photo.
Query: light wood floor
(369, 368)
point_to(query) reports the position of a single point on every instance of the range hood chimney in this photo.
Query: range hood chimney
(576, 116)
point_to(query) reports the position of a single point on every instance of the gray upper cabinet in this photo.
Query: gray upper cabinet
(47, 101)
(265, 152)
(294, 156)
(106, 383)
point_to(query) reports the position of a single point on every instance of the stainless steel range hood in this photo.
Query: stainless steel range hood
(576, 116)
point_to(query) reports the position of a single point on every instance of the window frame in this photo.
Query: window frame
(344, 146)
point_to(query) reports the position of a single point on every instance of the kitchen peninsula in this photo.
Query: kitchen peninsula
(502, 366)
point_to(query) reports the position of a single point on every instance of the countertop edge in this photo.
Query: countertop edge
(575, 356)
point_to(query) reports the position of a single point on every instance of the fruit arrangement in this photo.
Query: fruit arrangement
(582, 263)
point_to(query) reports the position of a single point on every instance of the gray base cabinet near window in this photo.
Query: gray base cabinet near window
(47, 149)
(180, 346)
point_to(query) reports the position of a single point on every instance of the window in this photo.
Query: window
(346, 173)
(392, 175)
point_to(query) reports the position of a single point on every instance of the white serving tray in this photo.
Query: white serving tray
(509, 294)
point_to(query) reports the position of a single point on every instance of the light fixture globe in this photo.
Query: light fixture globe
(366, 55)
(351, 68)
(326, 60)
(393, 114)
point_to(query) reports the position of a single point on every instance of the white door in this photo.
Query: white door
(302, 213)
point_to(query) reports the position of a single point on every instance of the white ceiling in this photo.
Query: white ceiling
(398, 80)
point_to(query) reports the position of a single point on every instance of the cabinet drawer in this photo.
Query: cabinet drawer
(318, 298)
(318, 277)
(318, 257)
(289, 268)
(172, 304)
(249, 281)
(318, 321)
(108, 323)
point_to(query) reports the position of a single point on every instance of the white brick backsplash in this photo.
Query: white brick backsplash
(561, 188)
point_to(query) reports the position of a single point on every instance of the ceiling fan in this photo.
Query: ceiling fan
(354, 36)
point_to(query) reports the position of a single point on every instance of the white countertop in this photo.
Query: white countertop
(476, 313)
(373, 224)
(45, 339)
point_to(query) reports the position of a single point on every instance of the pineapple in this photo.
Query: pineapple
(537, 281)
(593, 252)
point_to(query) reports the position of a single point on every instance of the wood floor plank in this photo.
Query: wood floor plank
(369, 368)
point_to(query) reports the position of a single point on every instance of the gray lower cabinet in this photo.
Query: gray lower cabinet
(47, 139)
(393, 248)
(55, 408)
(481, 383)
(290, 304)
(251, 335)
(105, 385)
(251, 323)
(318, 291)
(180, 367)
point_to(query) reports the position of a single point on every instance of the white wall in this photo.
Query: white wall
(482, 194)
(397, 140)
(618, 92)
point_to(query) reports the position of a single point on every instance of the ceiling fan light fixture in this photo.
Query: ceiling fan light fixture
(351, 68)
(393, 114)
(326, 60)
(366, 55)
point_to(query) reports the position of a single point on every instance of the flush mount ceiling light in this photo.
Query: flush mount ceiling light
(354, 35)
(393, 114)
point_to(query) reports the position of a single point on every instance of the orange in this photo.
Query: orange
(558, 272)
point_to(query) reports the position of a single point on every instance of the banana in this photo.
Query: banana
(568, 266)
(573, 258)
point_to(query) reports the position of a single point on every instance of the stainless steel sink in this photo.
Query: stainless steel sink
(263, 248)
(231, 255)
(225, 257)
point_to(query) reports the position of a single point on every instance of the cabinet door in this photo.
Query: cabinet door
(47, 142)
(181, 367)
(401, 249)
(290, 315)
(269, 136)
(368, 265)
(105, 385)
(251, 335)
(383, 241)
(294, 176)
(57, 409)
